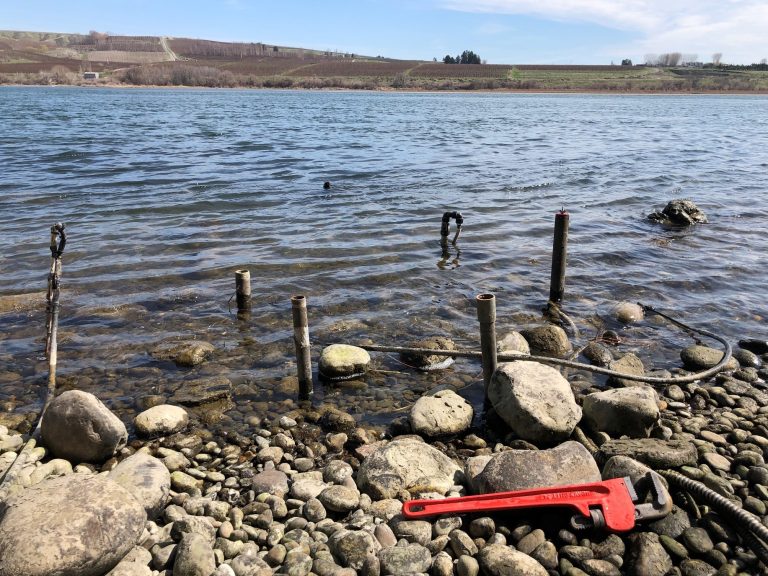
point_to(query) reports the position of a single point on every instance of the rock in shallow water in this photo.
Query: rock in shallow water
(341, 361)
(78, 427)
(535, 401)
(681, 212)
(443, 413)
(549, 340)
(703, 357)
(75, 525)
(429, 362)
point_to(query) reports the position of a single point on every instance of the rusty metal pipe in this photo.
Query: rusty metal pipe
(301, 342)
(486, 314)
(243, 289)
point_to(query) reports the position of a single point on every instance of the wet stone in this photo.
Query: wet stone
(202, 391)
(429, 362)
(697, 540)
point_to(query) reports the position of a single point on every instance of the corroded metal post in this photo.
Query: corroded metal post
(301, 341)
(486, 314)
(559, 256)
(243, 289)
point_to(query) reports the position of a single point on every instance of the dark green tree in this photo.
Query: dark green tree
(626, 62)
(449, 59)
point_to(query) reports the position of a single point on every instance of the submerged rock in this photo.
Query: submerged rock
(681, 212)
(202, 391)
(188, 353)
(429, 362)
(78, 427)
(407, 465)
(568, 463)
(628, 312)
(535, 401)
(75, 525)
(443, 413)
(342, 361)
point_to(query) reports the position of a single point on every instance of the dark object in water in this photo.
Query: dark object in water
(754, 345)
(326, 185)
(680, 212)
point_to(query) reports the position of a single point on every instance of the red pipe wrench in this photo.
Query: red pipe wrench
(610, 504)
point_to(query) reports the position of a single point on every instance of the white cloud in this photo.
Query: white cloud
(737, 28)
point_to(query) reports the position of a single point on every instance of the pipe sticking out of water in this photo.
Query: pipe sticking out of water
(559, 256)
(486, 315)
(301, 342)
(243, 289)
(445, 227)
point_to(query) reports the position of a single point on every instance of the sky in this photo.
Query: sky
(499, 31)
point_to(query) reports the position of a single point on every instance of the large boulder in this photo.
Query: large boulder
(162, 420)
(549, 340)
(535, 401)
(444, 412)
(342, 361)
(79, 427)
(75, 525)
(407, 465)
(147, 479)
(622, 411)
(568, 463)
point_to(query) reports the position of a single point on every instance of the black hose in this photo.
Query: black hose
(754, 534)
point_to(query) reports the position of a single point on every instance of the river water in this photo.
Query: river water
(166, 192)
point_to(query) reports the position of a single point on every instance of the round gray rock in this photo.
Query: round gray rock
(535, 401)
(443, 413)
(704, 357)
(628, 312)
(622, 411)
(413, 558)
(568, 463)
(147, 479)
(162, 420)
(341, 361)
(549, 340)
(74, 525)
(409, 465)
(513, 342)
(500, 560)
(77, 426)
(194, 556)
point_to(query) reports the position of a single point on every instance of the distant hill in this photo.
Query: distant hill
(63, 58)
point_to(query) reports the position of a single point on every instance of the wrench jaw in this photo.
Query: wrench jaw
(650, 485)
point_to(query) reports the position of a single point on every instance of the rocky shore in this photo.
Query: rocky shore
(313, 492)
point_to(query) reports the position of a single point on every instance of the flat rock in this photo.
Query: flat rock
(202, 391)
(412, 558)
(75, 525)
(270, 482)
(652, 452)
(697, 358)
(534, 400)
(568, 463)
(77, 426)
(622, 411)
(429, 362)
(147, 479)
(444, 412)
(342, 361)
(549, 340)
(407, 465)
(162, 420)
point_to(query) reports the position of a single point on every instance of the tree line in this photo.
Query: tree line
(466, 57)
